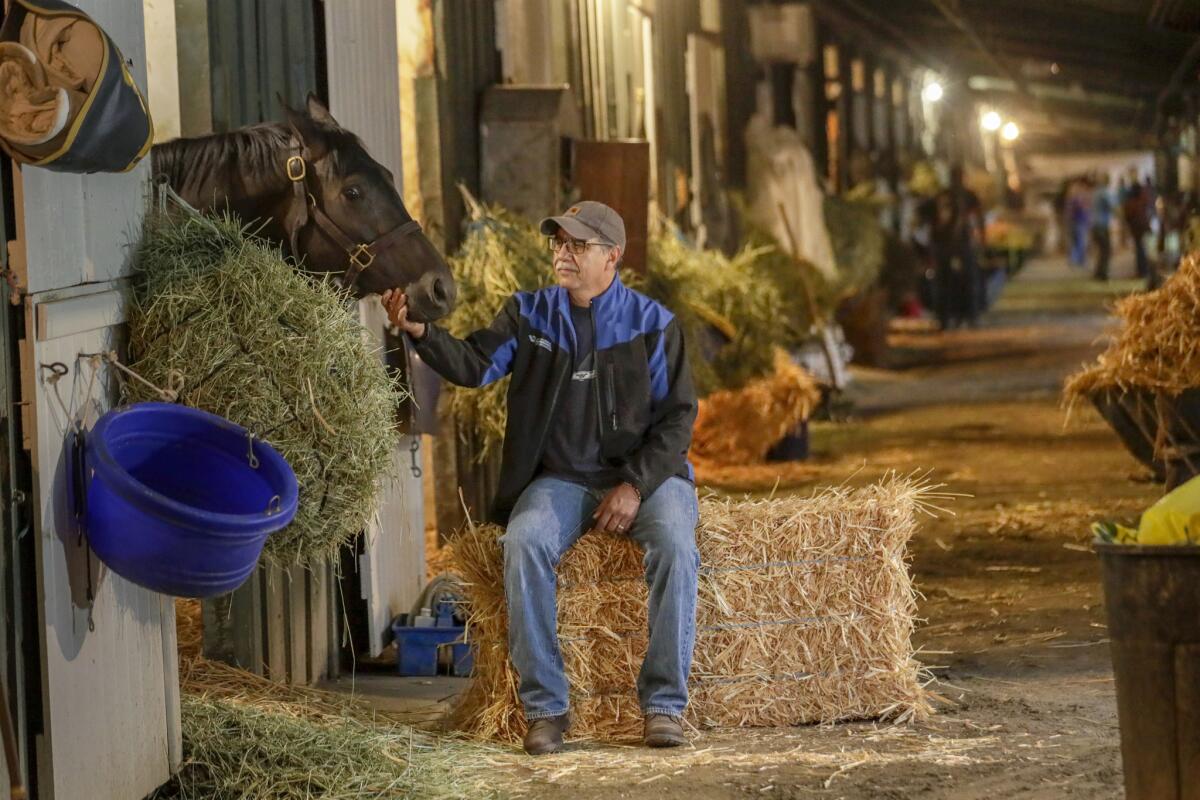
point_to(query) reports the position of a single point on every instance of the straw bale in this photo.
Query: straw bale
(1155, 347)
(222, 318)
(740, 426)
(804, 614)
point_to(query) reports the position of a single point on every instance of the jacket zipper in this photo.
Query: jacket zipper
(558, 385)
(596, 369)
(612, 395)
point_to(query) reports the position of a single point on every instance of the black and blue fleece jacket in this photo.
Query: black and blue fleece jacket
(646, 400)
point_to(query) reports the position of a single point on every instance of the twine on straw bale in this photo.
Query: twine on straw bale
(220, 315)
(805, 614)
(740, 426)
(1155, 348)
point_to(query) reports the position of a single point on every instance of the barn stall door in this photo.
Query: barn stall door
(110, 702)
(110, 682)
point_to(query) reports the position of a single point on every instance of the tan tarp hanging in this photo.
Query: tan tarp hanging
(780, 172)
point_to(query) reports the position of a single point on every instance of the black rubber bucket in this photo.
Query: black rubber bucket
(1153, 599)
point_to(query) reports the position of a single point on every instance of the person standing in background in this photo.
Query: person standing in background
(1102, 210)
(1137, 218)
(1078, 214)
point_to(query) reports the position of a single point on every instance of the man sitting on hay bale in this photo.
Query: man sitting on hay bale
(600, 414)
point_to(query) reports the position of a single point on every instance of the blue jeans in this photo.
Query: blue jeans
(549, 517)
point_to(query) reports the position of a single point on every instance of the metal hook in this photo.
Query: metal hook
(414, 449)
(251, 458)
(274, 505)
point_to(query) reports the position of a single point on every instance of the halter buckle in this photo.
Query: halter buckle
(296, 168)
(362, 257)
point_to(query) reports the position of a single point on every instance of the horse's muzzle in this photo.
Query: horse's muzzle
(431, 297)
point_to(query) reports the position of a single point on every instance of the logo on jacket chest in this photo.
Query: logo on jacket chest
(540, 342)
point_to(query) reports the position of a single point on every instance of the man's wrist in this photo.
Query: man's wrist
(636, 490)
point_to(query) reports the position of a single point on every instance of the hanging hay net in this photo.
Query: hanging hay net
(221, 317)
(805, 614)
(1156, 346)
(740, 426)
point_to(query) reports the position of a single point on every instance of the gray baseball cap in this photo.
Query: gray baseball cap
(588, 220)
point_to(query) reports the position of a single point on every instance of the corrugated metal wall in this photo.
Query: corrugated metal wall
(673, 21)
(467, 63)
(259, 48)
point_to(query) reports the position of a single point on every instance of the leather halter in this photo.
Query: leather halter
(359, 254)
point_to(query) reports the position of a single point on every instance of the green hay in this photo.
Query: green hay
(707, 290)
(280, 751)
(858, 244)
(223, 317)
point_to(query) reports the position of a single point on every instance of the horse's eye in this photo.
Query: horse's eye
(352, 193)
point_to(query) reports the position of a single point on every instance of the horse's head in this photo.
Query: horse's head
(357, 197)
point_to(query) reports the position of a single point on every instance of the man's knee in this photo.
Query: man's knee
(525, 540)
(672, 545)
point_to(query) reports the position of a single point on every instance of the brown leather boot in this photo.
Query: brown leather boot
(545, 735)
(664, 731)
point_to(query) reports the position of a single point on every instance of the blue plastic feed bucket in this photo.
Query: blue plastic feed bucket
(181, 501)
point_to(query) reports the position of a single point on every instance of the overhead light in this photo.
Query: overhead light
(1010, 132)
(932, 92)
(991, 121)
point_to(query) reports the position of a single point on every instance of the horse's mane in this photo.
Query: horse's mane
(256, 152)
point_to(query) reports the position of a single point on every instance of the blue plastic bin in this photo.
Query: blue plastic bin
(417, 648)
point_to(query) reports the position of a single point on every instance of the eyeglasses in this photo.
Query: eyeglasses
(576, 246)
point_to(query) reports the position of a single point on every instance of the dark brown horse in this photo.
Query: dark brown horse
(319, 195)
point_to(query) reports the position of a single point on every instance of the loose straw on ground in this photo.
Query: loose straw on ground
(805, 614)
(245, 736)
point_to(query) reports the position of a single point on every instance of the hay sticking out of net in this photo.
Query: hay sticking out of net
(740, 426)
(245, 736)
(221, 316)
(805, 614)
(1155, 347)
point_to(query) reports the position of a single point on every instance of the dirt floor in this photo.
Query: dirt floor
(1013, 627)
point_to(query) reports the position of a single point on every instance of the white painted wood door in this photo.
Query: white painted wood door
(364, 96)
(109, 688)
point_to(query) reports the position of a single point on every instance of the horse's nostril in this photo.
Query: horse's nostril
(439, 291)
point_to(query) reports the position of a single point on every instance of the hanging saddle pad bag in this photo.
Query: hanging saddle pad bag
(67, 100)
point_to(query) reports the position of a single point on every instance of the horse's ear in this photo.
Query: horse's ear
(318, 111)
(312, 134)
